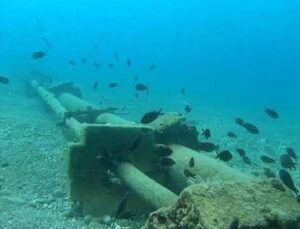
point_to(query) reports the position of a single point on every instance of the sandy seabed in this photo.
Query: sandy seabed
(33, 178)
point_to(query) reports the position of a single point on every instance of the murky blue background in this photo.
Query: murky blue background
(230, 56)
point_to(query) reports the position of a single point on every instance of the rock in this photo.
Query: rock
(87, 219)
(106, 219)
(94, 225)
(171, 127)
(33, 204)
(255, 204)
(116, 226)
(67, 213)
(58, 194)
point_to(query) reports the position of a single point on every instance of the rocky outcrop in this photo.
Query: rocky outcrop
(215, 205)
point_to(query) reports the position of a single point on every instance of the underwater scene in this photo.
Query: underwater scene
(149, 114)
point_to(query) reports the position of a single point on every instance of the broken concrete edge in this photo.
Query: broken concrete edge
(173, 128)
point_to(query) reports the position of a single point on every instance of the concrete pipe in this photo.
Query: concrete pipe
(108, 118)
(147, 189)
(206, 167)
(73, 103)
(56, 107)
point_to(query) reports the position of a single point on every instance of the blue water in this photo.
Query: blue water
(232, 57)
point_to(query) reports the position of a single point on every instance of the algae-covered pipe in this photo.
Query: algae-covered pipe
(50, 99)
(206, 167)
(113, 119)
(73, 103)
(144, 187)
(56, 107)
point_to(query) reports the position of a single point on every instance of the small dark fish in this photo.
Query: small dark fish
(269, 173)
(141, 87)
(136, 78)
(136, 144)
(241, 152)
(188, 108)
(188, 174)
(231, 134)
(251, 128)
(71, 62)
(38, 55)
(97, 65)
(95, 85)
(47, 42)
(234, 224)
(267, 159)
(192, 162)
(128, 61)
(206, 133)
(166, 161)
(151, 116)
(224, 155)
(122, 206)
(152, 67)
(111, 65)
(4, 80)
(207, 146)
(136, 95)
(182, 91)
(67, 115)
(286, 178)
(96, 46)
(239, 121)
(84, 60)
(163, 151)
(246, 160)
(290, 151)
(112, 85)
(271, 113)
(286, 162)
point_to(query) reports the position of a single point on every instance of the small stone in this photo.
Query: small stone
(117, 226)
(106, 219)
(58, 193)
(33, 204)
(87, 219)
(94, 225)
(68, 213)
